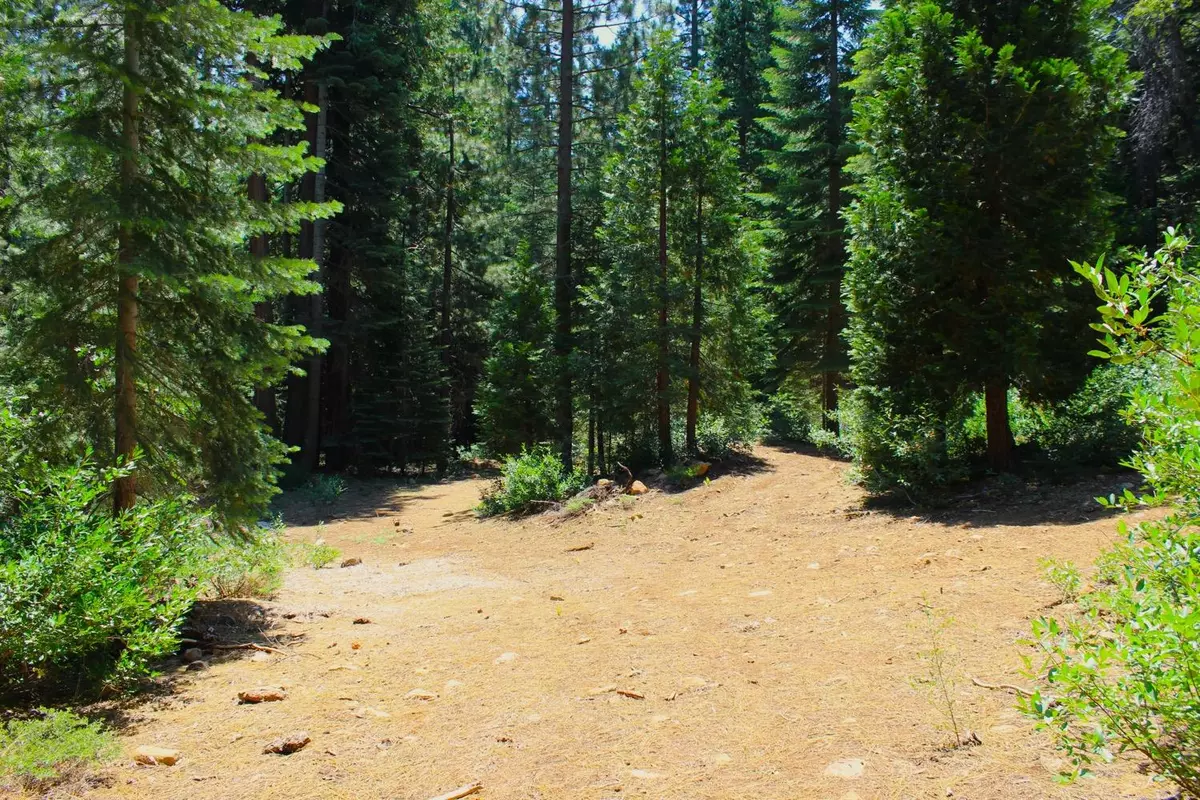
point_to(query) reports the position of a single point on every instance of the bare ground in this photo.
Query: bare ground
(762, 628)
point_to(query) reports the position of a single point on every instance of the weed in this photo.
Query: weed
(324, 489)
(252, 568)
(940, 680)
(578, 505)
(1064, 576)
(319, 555)
(37, 753)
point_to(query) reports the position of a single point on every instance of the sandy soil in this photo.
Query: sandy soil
(766, 631)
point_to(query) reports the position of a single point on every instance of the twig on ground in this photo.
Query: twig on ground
(1002, 686)
(251, 646)
(580, 548)
(460, 792)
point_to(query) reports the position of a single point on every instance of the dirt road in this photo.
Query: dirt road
(757, 637)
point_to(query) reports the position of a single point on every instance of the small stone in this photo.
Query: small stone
(847, 768)
(603, 482)
(505, 658)
(356, 645)
(638, 488)
(351, 562)
(362, 621)
(261, 695)
(193, 654)
(261, 658)
(584, 640)
(197, 666)
(287, 745)
(760, 593)
(156, 756)
(420, 694)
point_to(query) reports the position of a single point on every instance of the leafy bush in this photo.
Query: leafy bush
(319, 555)
(724, 435)
(86, 596)
(791, 417)
(252, 567)
(324, 489)
(1125, 674)
(36, 753)
(530, 480)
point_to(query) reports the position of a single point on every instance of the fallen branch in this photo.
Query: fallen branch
(1002, 687)
(251, 646)
(581, 548)
(460, 792)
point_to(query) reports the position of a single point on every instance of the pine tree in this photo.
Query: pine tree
(809, 117)
(131, 308)
(984, 130)
(741, 54)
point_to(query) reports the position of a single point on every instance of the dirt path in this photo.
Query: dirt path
(762, 629)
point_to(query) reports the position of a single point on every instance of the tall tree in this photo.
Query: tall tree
(741, 52)
(564, 288)
(984, 129)
(132, 289)
(809, 116)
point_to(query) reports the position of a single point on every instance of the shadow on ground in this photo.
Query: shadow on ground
(1010, 500)
(223, 630)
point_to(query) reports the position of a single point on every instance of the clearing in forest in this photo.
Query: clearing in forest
(759, 636)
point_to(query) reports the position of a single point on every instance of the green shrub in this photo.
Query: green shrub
(529, 482)
(251, 567)
(792, 418)
(323, 489)
(1125, 674)
(319, 554)
(86, 598)
(724, 435)
(39, 752)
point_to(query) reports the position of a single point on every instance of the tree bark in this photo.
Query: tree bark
(125, 487)
(447, 286)
(834, 318)
(999, 432)
(310, 452)
(695, 35)
(563, 288)
(663, 378)
(693, 402)
(264, 396)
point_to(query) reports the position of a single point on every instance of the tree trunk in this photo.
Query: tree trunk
(834, 317)
(999, 432)
(311, 448)
(663, 378)
(563, 288)
(601, 461)
(264, 396)
(693, 402)
(125, 488)
(336, 391)
(447, 285)
(695, 35)
(591, 443)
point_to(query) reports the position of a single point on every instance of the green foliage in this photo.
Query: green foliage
(804, 179)
(1123, 676)
(513, 404)
(323, 488)
(790, 416)
(86, 598)
(1063, 576)
(318, 555)
(249, 567)
(530, 482)
(983, 131)
(204, 123)
(38, 752)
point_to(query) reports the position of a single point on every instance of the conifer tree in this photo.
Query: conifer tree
(741, 53)
(132, 291)
(809, 117)
(984, 130)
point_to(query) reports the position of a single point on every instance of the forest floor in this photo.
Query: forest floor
(758, 636)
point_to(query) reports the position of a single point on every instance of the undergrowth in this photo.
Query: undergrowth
(55, 746)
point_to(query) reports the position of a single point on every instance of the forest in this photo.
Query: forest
(259, 250)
